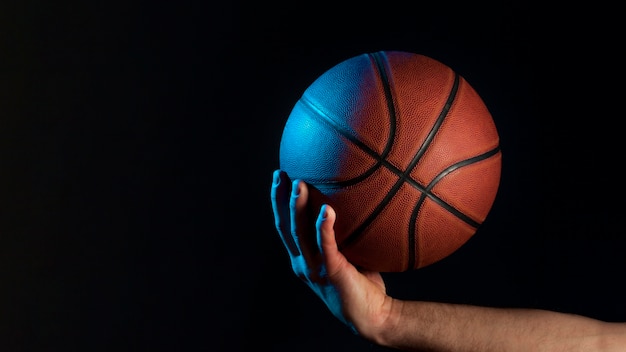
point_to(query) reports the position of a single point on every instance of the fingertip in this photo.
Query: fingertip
(323, 214)
(295, 187)
(326, 211)
(277, 190)
(326, 231)
(325, 218)
(276, 177)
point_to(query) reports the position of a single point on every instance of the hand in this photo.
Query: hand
(357, 298)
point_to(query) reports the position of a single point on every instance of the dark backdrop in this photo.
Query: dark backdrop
(137, 142)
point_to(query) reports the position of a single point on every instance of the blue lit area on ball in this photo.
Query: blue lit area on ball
(310, 148)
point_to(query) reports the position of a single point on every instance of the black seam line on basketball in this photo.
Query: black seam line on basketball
(379, 158)
(391, 109)
(322, 117)
(412, 240)
(464, 217)
(404, 176)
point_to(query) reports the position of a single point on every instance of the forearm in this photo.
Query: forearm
(429, 326)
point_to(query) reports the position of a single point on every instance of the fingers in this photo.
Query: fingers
(280, 195)
(325, 230)
(294, 222)
(301, 228)
(326, 239)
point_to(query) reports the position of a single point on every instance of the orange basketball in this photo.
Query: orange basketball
(405, 151)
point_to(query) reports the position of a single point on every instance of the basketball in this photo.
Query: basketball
(405, 151)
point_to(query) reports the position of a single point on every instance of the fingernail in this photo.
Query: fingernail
(295, 189)
(324, 212)
(276, 177)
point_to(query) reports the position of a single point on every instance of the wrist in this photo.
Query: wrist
(387, 327)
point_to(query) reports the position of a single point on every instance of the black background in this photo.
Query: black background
(137, 142)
